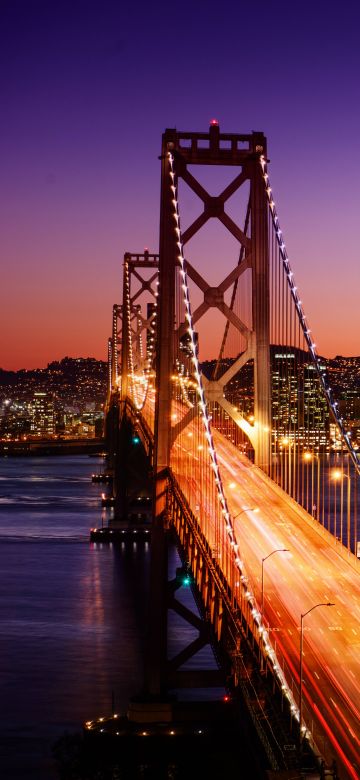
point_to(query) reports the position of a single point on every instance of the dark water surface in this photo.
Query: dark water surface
(71, 612)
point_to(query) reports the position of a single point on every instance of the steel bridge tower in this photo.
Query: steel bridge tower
(242, 152)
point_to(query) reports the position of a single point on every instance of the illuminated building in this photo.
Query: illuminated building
(299, 409)
(42, 415)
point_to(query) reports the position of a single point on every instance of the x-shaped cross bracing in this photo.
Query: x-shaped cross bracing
(214, 296)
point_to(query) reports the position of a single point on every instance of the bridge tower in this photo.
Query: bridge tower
(117, 315)
(242, 152)
(109, 371)
(142, 269)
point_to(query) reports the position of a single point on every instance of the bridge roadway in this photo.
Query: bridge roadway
(314, 570)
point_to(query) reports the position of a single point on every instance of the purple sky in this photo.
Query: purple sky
(87, 89)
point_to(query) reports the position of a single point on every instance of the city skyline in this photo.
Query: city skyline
(87, 92)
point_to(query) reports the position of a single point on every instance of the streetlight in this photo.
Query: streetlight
(338, 474)
(262, 575)
(322, 604)
(315, 508)
(247, 509)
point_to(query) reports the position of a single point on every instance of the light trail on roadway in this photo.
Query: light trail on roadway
(316, 570)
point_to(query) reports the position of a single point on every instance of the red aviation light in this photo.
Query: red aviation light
(214, 123)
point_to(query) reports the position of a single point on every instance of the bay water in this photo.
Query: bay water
(72, 613)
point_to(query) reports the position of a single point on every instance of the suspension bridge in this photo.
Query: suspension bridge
(213, 365)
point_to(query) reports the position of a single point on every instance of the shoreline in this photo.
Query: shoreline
(52, 447)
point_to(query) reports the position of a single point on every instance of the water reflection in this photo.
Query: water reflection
(72, 613)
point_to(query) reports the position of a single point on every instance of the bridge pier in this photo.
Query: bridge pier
(129, 463)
